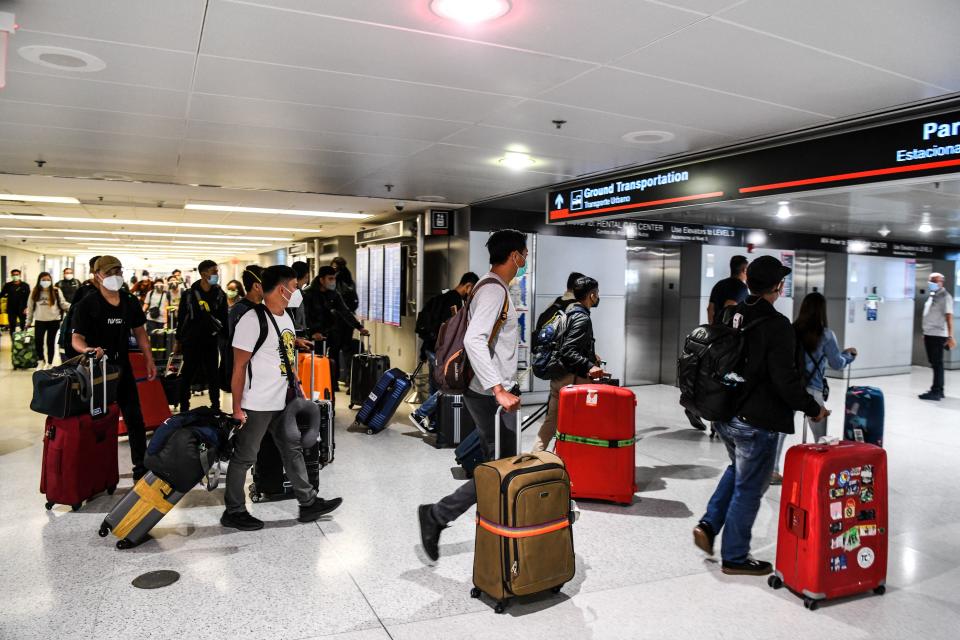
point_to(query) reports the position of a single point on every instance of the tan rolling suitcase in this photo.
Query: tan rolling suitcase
(524, 539)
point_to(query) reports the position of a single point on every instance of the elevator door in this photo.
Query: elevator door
(652, 313)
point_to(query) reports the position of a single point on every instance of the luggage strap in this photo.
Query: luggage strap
(596, 442)
(152, 496)
(522, 532)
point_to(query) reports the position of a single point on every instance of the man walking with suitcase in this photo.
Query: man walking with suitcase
(937, 332)
(328, 317)
(490, 342)
(17, 294)
(772, 390)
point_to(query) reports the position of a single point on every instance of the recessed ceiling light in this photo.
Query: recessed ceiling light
(470, 11)
(154, 223)
(924, 227)
(62, 59)
(517, 161)
(783, 211)
(48, 199)
(647, 137)
(431, 198)
(282, 212)
(884, 231)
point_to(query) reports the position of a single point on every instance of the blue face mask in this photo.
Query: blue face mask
(214, 279)
(521, 271)
(933, 287)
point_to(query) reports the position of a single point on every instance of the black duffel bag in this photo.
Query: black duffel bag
(78, 386)
(185, 449)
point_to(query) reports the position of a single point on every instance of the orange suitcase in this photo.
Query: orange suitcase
(316, 376)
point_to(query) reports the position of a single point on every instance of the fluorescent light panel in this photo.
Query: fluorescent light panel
(151, 234)
(156, 223)
(282, 212)
(47, 199)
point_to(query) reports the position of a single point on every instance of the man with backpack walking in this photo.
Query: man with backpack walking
(763, 389)
(566, 352)
(490, 341)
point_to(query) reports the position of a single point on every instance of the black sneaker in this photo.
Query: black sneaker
(320, 507)
(703, 536)
(695, 421)
(931, 395)
(750, 567)
(423, 424)
(241, 520)
(429, 532)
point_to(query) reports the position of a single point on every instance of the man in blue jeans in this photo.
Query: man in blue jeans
(773, 390)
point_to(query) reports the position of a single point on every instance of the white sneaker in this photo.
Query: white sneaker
(419, 423)
(41, 365)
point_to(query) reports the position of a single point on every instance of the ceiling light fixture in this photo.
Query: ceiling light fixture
(647, 137)
(884, 231)
(857, 246)
(282, 212)
(154, 223)
(516, 161)
(150, 234)
(13, 197)
(783, 210)
(470, 11)
(62, 59)
(924, 227)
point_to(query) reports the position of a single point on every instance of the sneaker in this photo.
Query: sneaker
(750, 567)
(931, 395)
(423, 424)
(703, 537)
(41, 365)
(241, 520)
(320, 507)
(776, 479)
(429, 532)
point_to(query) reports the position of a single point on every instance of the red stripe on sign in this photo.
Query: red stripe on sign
(561, 214)
(852, 176)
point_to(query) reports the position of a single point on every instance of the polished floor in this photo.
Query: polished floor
(359, 575)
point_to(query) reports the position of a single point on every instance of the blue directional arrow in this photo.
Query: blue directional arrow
(559, 201)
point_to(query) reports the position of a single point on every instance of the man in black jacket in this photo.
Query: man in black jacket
(575, 354)
(17, 294)
(773, 390)
(560, 304)
(328, 318)
(69, 284)
(202, 323)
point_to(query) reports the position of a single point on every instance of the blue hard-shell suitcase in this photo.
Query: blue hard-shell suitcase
(383, 401)
(863, 417)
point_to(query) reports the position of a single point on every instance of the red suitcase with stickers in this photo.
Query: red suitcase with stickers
(833, 533)
(596, 438)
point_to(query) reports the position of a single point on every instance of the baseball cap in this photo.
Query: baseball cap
(106, 263)
(766, 272)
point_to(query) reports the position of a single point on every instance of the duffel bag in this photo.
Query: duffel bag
(74, 387)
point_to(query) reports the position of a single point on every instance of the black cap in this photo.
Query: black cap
(765, 272)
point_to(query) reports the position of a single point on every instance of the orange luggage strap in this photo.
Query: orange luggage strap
(522, 532)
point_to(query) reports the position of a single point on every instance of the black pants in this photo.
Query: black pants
(935, 346)
(15, 319)
(334, 346)
(129, 400)
(206, 358)
(46, 333)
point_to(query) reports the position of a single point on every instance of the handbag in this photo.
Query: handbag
(73, 388)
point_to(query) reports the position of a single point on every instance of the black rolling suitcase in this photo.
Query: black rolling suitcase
(454, 421)
(365, 372)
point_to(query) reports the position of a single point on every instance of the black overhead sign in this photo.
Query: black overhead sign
(918, 147)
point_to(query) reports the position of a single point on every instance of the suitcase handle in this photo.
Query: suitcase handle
(496, 432)
(93, 388)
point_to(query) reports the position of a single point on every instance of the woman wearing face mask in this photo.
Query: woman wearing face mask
(45, 311)
(234, 292)
(155, 306)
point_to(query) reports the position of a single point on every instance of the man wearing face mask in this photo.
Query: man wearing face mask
(69, 285)
(17, 294)
(575, 357)
(201, 324)
(262, 351)
(88, 287)
(937, 332)
(328, 317)
(252, 279)
(103, 321)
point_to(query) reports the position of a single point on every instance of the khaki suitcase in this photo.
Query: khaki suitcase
(139, 511)
(524, 537)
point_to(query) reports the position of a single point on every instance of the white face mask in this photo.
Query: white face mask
(45, 283)
(296, 298)
(113, 283)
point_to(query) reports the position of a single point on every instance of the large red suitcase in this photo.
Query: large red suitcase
(153, 399)
(79, 458)
(596, 439)
(833, 521)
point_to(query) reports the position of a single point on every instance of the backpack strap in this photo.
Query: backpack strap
(502, 318)
(291, 376)
(261, 312)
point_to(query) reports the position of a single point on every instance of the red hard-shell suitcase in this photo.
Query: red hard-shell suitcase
(153, 399)
(833, 521)
(79, 458)
(596, 439)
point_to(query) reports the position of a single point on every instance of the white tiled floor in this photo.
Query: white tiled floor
(361, 576)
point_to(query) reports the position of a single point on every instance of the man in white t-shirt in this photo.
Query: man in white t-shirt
(259, 384)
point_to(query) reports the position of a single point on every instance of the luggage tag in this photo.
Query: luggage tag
(593, 397)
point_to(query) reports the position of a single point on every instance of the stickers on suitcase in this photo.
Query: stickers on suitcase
(865, 558)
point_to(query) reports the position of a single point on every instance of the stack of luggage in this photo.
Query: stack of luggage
(367, 369)
(384, 399)
(316, 376)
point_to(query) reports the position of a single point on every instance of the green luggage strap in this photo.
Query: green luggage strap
(596, 442)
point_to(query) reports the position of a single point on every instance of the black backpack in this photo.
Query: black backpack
(548, 340)
(711, 386)
(429, 320)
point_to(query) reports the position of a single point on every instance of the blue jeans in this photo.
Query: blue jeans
(429, 406)
(736, 500)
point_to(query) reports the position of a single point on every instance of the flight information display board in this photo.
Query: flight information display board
(363, 284)
(376, 284)
(392, 284)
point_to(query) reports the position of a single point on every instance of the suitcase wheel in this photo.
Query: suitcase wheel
(76, 507)
(810, 603)
(474, 593)
(775, 582)
(111, 490)
(880, 590)
(49, 505)
(125, 544)
(104, 530)
(255, 496)
(500, 608)
(369, 432)
(557, 588)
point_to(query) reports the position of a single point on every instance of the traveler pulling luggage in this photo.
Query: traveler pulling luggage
(596, 438)
(385, 398)
(832, 539)
(863, 414)
(24, 351)
(367, 369)
(80, 452)
(470, 452)
(524, 541)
